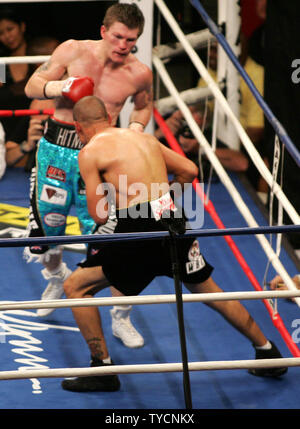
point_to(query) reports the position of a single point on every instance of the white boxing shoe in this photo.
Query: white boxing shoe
(123, 329)
(55, 289)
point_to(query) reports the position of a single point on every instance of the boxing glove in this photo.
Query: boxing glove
(77, 87)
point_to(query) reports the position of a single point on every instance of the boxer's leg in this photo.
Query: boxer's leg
(50, 201)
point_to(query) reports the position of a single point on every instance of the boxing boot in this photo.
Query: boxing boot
(95, 383)
(272, 353)
(54, 289)
(123, 329)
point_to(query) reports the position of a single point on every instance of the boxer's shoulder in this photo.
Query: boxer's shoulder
(140, 72)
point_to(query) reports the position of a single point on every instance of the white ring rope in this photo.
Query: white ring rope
(147, 299)
(148, 368)
(253, 153)
(210, 153)
(240, 204)
(155, 299)
(167, 105)
(198, 134)
(198, 40)
(34, 59)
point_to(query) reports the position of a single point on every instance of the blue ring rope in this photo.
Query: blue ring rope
(110, 238)
(278, 127)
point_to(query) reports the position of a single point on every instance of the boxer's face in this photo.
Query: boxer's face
(119, 40)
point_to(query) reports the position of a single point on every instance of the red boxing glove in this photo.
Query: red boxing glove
(77, 87)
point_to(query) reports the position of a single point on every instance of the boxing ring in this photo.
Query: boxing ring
(209, 375)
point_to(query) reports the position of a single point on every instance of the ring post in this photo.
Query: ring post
(179, 305)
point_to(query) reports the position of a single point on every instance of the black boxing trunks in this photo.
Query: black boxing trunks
(131, 265)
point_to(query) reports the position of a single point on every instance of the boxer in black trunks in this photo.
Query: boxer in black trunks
(108, 154)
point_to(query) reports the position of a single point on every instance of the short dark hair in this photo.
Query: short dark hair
(90, 109)
(128, 14)
(11, 14)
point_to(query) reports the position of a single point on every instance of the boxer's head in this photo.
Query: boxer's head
(122, 26)
(90, 115)
(128, 14)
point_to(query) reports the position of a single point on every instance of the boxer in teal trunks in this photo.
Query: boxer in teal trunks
(108, 69)
(57, 183)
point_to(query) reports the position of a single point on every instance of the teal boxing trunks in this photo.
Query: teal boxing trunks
(56, 184)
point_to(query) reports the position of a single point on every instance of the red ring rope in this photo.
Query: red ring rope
(276, 319)
(25, 112)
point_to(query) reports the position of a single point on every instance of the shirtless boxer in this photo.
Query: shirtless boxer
(109, 154)
(107, 69)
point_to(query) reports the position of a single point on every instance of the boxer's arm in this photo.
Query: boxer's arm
(143, 103)
(51, 73)
(184, 170)
(95, 191)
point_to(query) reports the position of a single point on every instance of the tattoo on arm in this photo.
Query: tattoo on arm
(45, 66)
(148, 96)
(144, 99)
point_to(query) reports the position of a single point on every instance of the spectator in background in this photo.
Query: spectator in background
(282, 93)
(42, 45)
(20, 148)
(251, 114)
(14, 43)
(232, 160)
(278, 284)
(261, 9)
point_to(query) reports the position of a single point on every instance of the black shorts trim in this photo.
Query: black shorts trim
(62, 134)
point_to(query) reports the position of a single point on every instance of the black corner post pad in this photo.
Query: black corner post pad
(174, 230)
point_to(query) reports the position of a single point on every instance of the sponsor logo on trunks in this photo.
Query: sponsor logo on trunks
(53, 195)
(36, 249)
(161, 205)
(196, 261)
(94, 251)
(56, 173)
(54, 219)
